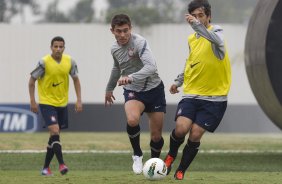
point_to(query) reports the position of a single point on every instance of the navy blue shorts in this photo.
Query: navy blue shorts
(154, 99)
(206, 114)
(54, 115)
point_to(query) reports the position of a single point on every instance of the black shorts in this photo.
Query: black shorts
(154, 99)
(206, 114)
(54, 115)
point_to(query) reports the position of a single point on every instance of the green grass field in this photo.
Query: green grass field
(223, 158)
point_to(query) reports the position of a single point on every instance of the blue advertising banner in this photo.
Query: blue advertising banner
(17, 118)
(97, 118)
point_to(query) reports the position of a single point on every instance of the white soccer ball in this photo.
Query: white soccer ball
(154, 169)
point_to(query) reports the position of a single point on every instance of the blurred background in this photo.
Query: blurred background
(27, 27)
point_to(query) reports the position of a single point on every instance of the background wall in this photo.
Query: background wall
(22, 46)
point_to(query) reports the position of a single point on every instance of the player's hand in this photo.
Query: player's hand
(173, 89)
(78, 106)
(109, 99)
(124, 80)
(33, 107)
(190, 18)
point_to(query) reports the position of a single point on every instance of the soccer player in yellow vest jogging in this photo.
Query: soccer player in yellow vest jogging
(205, 80)
(52, 73)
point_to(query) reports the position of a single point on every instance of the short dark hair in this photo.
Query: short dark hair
(198, 4)
(120, 19)
(57, 38)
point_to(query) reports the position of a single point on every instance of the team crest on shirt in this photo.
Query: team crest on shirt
(131, 95)
(179, 111)
(53, 119)
(131, 52)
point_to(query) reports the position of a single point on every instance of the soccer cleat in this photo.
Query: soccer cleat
(137, 165)
(46, 172)
(179, 175)
(168, 162)
(63, 169)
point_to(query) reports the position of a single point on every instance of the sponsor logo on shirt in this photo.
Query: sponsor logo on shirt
(131, 52)
(194, 64)
(56, 84)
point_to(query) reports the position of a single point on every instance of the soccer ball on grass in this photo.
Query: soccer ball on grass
(154, 169)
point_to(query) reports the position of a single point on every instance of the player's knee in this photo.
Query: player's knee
(156, 137)
(156, 133)
(175, 137)
(196, 133)
(133, 121)
(195, 136)
(179, 132)
(54, 128)
(53, 133)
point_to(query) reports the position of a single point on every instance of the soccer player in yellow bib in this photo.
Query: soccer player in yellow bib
(205, 80)
(52, 74)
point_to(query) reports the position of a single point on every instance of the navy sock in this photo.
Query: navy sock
(174, 144)
(57, 148)
(49, 154)
(189, 153)
(134, 137)
(156, 148)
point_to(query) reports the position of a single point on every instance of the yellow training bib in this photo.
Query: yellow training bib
(53, 87)
(205, 74)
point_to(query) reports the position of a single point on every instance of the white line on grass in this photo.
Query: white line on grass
(146, 151)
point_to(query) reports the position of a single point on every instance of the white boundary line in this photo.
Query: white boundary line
(146, 151)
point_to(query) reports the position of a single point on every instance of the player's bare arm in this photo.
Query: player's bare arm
(109, 98)
(78, 104)
(31, 87)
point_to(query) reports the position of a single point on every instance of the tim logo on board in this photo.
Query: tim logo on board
(17, 119)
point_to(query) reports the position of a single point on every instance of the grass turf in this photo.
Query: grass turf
(259, 166)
